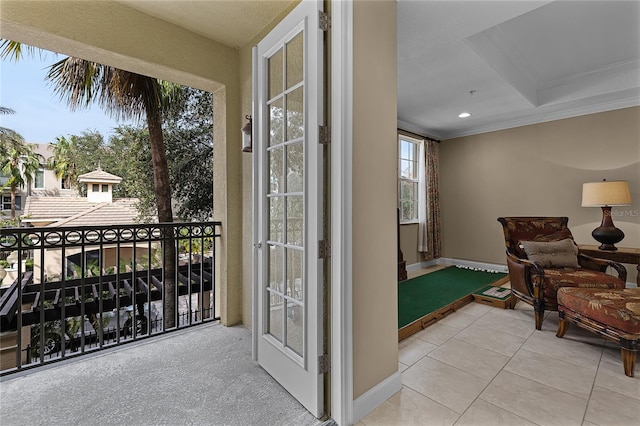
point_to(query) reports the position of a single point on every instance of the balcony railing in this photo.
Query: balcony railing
(69, 291)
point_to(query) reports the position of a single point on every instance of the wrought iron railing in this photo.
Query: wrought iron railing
(73, 290)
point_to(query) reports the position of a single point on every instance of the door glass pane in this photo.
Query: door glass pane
(285, 194)
(276, 219)
(295, 65)
(276, 272)
(295, 166)
(275, 74)
(295, 214)
(295, 114)
(295, 329)
(295, 287)
(276, 168)
(276, 122)
(275, 318)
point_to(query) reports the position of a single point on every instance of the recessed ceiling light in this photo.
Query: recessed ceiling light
(464, 115)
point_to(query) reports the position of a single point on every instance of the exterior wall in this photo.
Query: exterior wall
(537, 170)
(99, 196)
(375, 319)
(51, 182)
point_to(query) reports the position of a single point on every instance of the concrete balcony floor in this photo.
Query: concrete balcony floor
(202, 375)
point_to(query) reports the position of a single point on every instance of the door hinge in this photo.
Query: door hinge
(324, 364)
(324, 249)
(324, 135)
(325, 21)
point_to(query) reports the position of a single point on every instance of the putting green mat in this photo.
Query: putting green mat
(427, 293)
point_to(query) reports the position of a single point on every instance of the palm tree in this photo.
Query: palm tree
(123, 94)
(20, 164)
(8, 138)
(61, 163)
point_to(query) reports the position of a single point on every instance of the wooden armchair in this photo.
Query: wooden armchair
(553, 261)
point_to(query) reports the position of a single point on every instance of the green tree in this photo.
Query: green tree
(75, 155)
(8, 138)
(20, 165)
(189, 141)
(128, 155)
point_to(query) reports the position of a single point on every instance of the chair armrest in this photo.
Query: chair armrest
(589, 262)
(520, 271)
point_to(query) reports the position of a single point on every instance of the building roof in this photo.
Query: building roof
(78, 211)
(99, 176)
(121, 211)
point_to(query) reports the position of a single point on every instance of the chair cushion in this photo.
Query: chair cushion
(619, 309)
(553, 254)
(581, 278)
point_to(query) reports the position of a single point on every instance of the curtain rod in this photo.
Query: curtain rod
(416, 135)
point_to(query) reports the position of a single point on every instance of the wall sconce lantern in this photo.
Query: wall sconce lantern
(246, 135)
(606, 194)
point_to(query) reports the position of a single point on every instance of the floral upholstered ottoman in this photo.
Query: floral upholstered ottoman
(613, 314)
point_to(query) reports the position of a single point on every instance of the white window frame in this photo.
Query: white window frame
(35, 180)
(5, 200)
(418, 181)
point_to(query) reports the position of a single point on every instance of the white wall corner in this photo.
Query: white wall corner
(371, 399)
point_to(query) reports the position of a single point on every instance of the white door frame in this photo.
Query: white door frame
(341, 211)
(341, 208)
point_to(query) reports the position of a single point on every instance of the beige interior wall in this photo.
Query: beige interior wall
(117, 35)
(375, 323)
(537, 170)
(409, 243)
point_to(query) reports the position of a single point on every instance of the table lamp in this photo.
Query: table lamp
(606, 194)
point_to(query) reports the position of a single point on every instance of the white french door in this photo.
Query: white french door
(287, 112)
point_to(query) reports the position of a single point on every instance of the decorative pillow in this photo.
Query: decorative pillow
(556, 236)
(552, 254)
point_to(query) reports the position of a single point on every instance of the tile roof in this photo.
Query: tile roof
(99, 175)
(77, 211)
(121, 211)
(54, 208)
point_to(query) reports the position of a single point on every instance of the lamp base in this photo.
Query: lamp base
(607, 234)
(607, 247)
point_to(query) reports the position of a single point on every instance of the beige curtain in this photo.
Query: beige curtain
(429, 235)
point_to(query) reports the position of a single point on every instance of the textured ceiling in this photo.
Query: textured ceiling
(231, 22)
(514, 63)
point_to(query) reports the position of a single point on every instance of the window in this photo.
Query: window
(408, 178)
(38, 179)
(6, 202)
(65, 182)
(95, 187)
(105, 188)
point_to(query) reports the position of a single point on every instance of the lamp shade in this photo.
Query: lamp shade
(606, 193)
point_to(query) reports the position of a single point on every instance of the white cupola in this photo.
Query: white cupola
(99, 185)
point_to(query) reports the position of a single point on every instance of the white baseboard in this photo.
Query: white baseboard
(371, 399)
(458, 262)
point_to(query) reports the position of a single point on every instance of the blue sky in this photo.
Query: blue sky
(40, 116)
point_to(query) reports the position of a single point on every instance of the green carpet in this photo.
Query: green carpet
(422, 295)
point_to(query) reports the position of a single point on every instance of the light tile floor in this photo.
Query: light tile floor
(488, 366)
